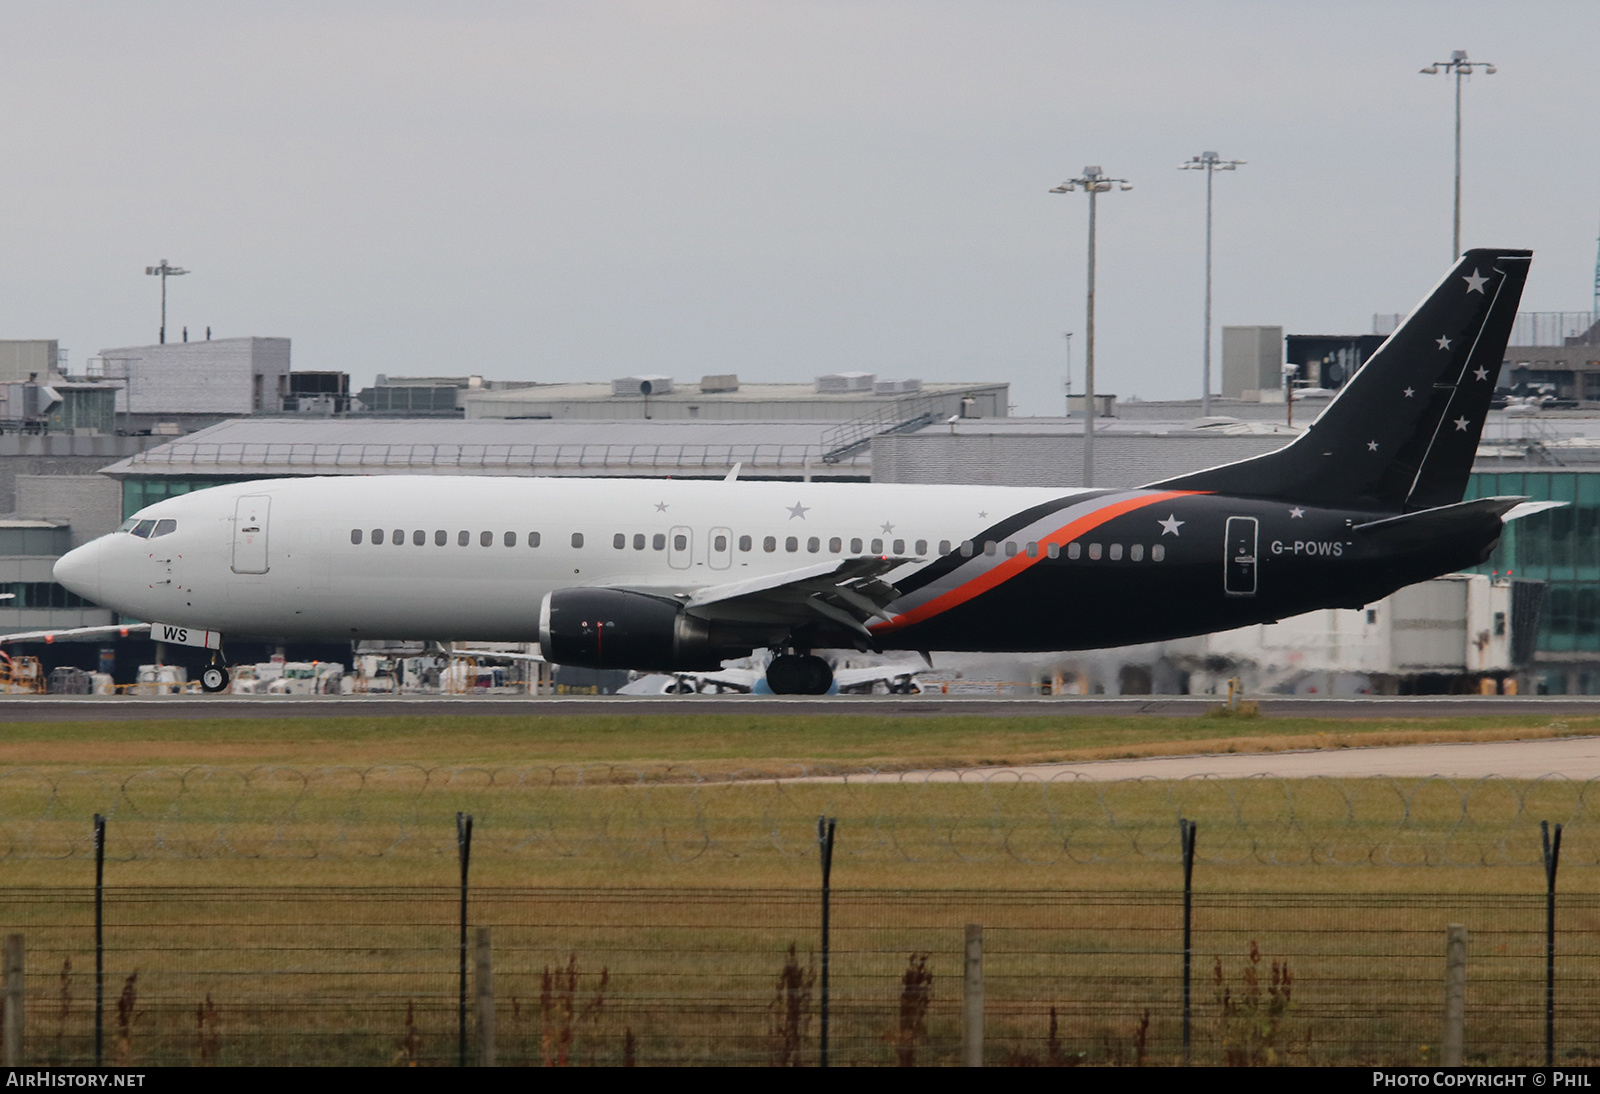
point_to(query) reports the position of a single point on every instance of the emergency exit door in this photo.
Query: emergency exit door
(250, 534)
(1239, 568)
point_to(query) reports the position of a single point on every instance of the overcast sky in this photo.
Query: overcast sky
(590, 189)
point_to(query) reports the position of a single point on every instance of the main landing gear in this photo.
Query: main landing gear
(799, 674)
(214, 677)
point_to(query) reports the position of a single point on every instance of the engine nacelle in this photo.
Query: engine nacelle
(618, 629)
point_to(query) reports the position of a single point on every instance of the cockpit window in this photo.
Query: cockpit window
(128, 525)
(142, 529)
(164, 528)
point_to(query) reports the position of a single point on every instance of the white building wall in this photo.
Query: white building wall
(224, 376)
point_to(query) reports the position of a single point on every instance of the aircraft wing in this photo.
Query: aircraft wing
(490, 654)
(847, 591)
(118, 630)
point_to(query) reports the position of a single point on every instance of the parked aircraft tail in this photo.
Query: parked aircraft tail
(1402, 433)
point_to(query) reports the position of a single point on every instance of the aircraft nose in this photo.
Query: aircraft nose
(79, 571)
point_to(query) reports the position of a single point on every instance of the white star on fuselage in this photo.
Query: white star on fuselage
(1372, 446)
(1171, 524)
(1480, 374)
(887, 527)
(1475, 282)
(1444, 343)
(661, 507)
(1297, 512)
(1410, 392)
(1462, 423)
(798, 510)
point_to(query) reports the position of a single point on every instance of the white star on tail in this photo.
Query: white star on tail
(1444, 343)
(1372, 446)
(1171, 524)
(1297, 512)
(1475, 282)
(1410, 391)
(1462, 423)
(1481, 374)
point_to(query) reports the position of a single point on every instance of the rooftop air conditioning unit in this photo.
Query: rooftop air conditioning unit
(634, 385)
(897, 387)
(713, 385)
(844, 383)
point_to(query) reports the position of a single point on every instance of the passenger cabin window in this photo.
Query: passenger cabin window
(966, 548)
(658, 542)
(1054, 550)
(792, 544)
(922, 546)
(577, 539)
(1094, 550)
(944, 546)
(440, 538)
(1011, 548)
(1136, 552)
(989, 546)
(813, 545)
(164, 528)
(1074, 549)
(1157, 553)
(419, 537)
(877, 546)
(377, 536)
(619, 541)
(680, 543)
(533, 539)
(855, 546)
(745, 543)
(1116, 551)
(143, 528)
(899, 546)
(1032, 550)
(398, 538)
(355, 536)
(769, 544)
(638, 541)
(509, 539)
(485, 539)
(463, 538)
(836, 545)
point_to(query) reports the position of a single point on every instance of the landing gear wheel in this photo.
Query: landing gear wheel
(799, 674)
(214, 678)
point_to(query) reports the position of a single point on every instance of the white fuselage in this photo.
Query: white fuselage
(340, 557)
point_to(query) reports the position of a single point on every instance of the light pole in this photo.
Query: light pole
(1093, 182)
(1069, 358)
(164, 271)
(1459, 66)
(1210, 163)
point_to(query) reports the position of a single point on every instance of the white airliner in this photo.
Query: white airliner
(681, 576)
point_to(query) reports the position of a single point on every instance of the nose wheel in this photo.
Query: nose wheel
(799, 674)
(214, 677)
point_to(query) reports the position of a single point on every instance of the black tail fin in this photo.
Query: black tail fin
(1402, 433)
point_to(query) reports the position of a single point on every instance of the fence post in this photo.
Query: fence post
(99, 937)
(14, 997)
(1186, 833)
(464, 853)
(1552, 859)
(825, 827)
(972, 998)
(483, 985)
(1455, 995)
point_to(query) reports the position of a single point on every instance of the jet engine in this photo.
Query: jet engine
(619, 629)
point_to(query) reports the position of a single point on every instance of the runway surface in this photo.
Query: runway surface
(70, 708)
(1574, 758)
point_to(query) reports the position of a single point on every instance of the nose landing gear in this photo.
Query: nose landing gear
(799, 674)
(214, 677)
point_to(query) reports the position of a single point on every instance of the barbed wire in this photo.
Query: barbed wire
(956, 816)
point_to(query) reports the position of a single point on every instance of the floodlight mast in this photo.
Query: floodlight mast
(1210, 163)
(1458, 66)
(1093, 182)
(164, 271)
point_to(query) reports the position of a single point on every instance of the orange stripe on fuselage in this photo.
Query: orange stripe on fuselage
(1013, 566)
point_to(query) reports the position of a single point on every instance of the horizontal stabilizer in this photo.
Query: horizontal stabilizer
(1432, 525)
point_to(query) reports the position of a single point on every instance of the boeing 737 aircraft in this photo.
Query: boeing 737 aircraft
(679, 576)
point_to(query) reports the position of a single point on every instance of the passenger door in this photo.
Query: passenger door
(250, 534)
(1239, 567)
